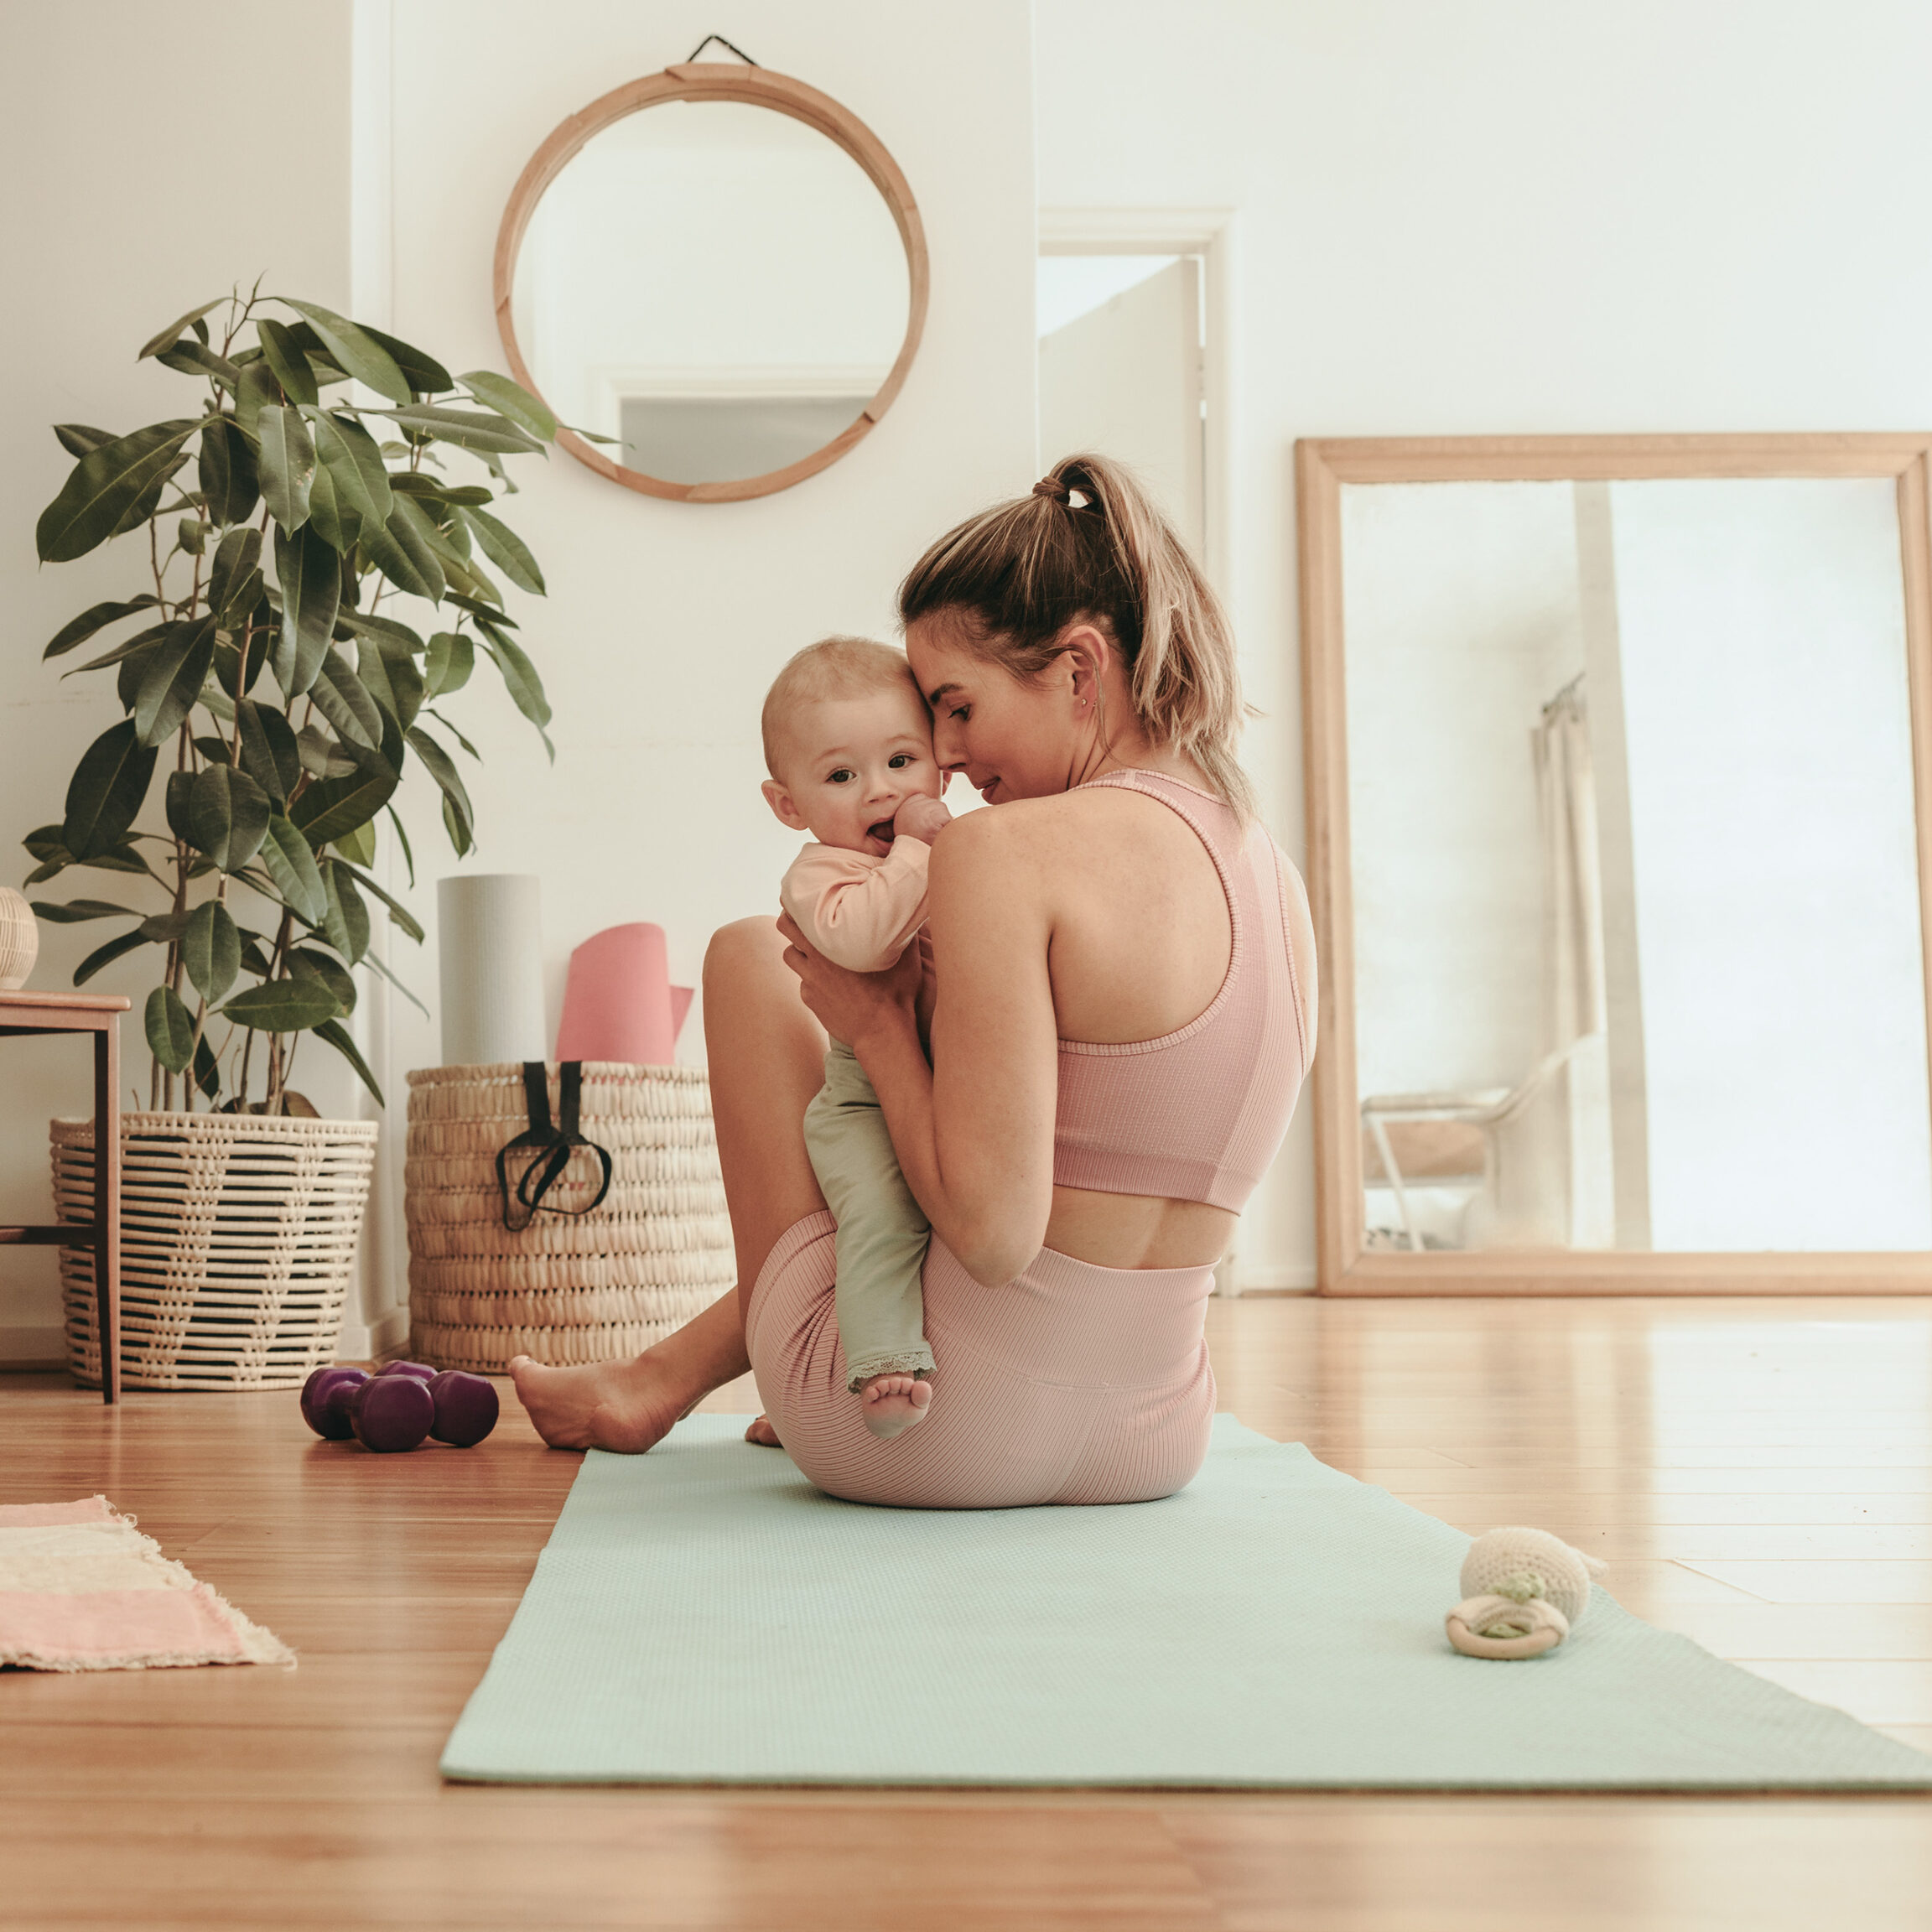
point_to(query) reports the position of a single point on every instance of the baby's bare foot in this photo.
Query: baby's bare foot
(892, 1404)
(763, 1434)
(624, 1406)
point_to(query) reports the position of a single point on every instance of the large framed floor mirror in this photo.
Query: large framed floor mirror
(1619, 782)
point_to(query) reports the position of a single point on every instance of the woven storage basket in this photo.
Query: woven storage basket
(238, 1241)
(656, 1250)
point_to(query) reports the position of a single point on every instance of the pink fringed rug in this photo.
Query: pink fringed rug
(82, 1589)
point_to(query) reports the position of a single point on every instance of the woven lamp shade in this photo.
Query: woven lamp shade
(567, 1288)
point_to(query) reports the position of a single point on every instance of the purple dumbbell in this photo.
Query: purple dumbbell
(417, 1369)
(392, 1413)
(465, 1407)
(326, 1401)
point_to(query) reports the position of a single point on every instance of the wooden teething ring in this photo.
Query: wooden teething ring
(1474, 1643)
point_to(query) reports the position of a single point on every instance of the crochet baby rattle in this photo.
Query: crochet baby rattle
(1524, 1591)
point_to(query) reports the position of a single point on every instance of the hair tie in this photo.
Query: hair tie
(1053, 488)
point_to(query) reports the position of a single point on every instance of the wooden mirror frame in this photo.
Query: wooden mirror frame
(1344, 1266)
(757, 88)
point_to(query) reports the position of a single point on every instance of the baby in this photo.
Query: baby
(850, 748)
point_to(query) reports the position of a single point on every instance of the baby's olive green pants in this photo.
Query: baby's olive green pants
(881, 1238)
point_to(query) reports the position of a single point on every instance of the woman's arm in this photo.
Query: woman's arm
(973, 1131)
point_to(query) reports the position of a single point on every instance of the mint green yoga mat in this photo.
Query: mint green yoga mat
(703, 1615)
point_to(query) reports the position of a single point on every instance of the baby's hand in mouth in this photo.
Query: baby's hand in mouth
(922, 818)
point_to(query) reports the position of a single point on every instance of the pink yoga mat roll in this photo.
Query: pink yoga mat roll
(618, 1002)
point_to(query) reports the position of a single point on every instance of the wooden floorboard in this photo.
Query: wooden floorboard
(1758, 1472)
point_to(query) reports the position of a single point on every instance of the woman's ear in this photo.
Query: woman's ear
(779, 799)
(1083, 652)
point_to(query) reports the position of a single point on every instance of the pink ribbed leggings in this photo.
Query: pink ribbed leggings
(1072, 1383)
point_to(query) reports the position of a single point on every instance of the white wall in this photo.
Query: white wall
(1508, 216)
(130, 196)
(666, 621)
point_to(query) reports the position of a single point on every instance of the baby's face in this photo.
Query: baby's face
(849, 763)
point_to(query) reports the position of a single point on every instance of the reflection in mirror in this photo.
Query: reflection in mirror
(716, 285)
(1635, 878)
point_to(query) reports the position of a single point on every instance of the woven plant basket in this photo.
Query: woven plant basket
(238, 1241)
(564, 1290)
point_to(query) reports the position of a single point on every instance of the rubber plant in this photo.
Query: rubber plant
(282, 524)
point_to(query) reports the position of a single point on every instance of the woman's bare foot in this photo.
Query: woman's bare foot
(624, 1406)
(893, 1403)
(763, 1434)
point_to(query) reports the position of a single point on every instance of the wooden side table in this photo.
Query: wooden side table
(99, 1014)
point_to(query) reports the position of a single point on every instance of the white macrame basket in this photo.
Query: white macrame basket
(238, 1237)
(565, 1288)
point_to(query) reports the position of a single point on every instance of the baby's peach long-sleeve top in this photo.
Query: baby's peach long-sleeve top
(860, 911)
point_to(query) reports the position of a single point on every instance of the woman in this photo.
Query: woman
(1124, 1010)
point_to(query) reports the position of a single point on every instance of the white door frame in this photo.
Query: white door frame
(1209, 233)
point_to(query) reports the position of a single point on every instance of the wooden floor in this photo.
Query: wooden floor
(1759, 1473)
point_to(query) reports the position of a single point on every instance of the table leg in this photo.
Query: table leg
(108, 1203)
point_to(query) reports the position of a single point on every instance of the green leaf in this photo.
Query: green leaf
(389, 670)
(270, 755)
(170, 1028)
(207, 1069)
(485, 612)
(229, 812)
(211, 949)
(427, 376)
(347, 922)
(321, 756)
(467, 428)
(326, 811)
(342, 698)
(236, 555)
(400, 553)
(106, 791)
(106, 484)
(359, 845)
(288, 465)
(505, 549)
(259, 391)
(368, 623)
(164, 928)
(452, 657)
(457, 735)
(128, 648)
(155, 344)
(337, 1035)
(402, 838)
(227, 472)
(415, 483)
(355, 349)
(284, 356)
(107, 955)
(96, 617)
(77, 439)
(312, 963)
(399, 914)
(310, 575)
(172, 679)
(76, 910)
(291, 864)
(282, 1006)
(513, 400)
(525, 687)
(193, 358)
(176, 794)
(338, 527)
(458, 815)
(354, 465)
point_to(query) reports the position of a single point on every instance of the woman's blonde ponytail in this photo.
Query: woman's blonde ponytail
(1090, 545)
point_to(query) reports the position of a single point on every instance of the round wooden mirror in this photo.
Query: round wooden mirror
(720, 270)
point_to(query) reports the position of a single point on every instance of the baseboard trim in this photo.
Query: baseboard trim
(30, 1350)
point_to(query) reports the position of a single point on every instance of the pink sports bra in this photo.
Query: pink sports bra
(1199, 1115)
